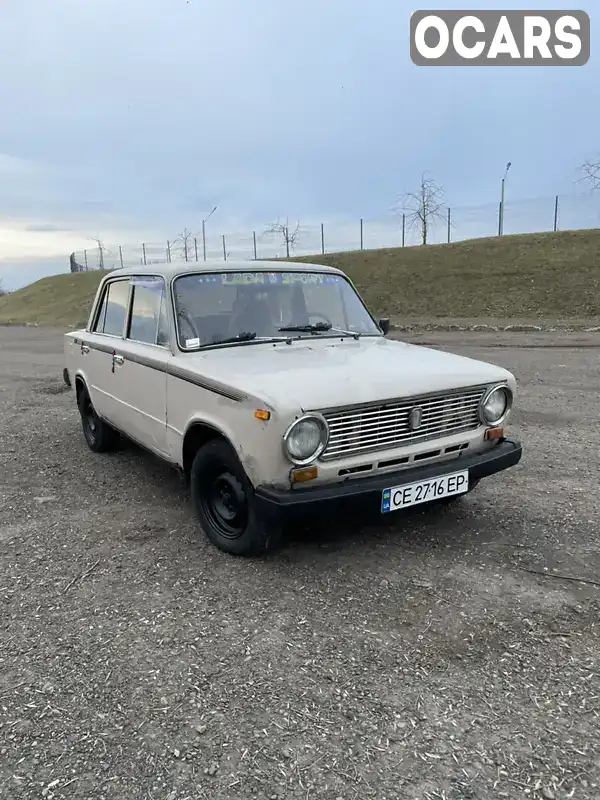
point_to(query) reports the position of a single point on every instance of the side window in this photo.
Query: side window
(113, 310)
(101, 318)
(147, 322)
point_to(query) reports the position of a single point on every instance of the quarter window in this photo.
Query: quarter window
(111, 318)
(163, 321)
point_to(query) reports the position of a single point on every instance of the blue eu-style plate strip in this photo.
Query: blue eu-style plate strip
(385, 501)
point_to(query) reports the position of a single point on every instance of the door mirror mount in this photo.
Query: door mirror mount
(384, 325)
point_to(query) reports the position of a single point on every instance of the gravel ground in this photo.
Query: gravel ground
(425, 658)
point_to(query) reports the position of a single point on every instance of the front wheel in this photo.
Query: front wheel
(225, 505)
(99, 435)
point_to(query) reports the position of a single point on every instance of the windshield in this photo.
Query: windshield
(249, 306)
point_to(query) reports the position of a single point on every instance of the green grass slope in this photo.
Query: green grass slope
(546, 275)
(59, 300)
(532, 276)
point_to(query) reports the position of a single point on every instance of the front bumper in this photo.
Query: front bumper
(368, 490)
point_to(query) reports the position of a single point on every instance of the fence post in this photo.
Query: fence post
(361, 233)
(322, 239)
(168, 252)
(556, 214)
(403, 228)
(449, 223)
(121, 255)
(224, 248)
(144, 252)
(254, 241)
(196, 248)
(85, 259)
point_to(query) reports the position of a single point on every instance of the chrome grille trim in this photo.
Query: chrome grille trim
(383, 426)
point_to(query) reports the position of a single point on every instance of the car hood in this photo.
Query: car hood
(324, 373)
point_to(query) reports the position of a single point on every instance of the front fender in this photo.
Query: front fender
(250, 439)
(256, 442)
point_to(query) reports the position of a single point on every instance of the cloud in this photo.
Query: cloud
(136, 118)
(46, 227)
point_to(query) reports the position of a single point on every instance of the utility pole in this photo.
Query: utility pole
(204, 221)
(501, 212)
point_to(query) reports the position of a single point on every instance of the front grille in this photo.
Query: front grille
(386, 425)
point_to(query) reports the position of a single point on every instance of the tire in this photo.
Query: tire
(225, 504)
(99, 435)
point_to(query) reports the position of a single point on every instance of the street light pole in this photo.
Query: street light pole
(204, 232)
(501, 214)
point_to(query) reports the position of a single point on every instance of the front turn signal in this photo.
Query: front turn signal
(303, 474)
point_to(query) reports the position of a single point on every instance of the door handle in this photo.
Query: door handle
(85, 348)
(118, 359)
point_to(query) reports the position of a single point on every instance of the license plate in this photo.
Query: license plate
(412, 494)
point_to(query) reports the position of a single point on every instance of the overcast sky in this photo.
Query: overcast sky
(132, 118)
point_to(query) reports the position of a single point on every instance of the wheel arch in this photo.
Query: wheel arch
(80, 384)
(197, 434)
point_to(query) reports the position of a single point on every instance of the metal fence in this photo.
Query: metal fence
(453, 224)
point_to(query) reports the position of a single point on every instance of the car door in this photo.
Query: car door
(98, 346)
(140, 365)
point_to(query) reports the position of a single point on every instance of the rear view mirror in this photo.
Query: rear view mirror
(384, 324)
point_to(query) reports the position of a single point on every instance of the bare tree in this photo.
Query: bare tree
(185, 243)
(289, 236)
(423, 207)
(101, 250)
(590, 172)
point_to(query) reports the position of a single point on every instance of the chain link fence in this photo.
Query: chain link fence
(534, 215)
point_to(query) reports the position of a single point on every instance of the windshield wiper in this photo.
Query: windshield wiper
(318, 327)
(245, 337)
(241, 337)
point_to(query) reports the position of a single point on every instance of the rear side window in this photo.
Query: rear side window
(146, 325)
(111, 318)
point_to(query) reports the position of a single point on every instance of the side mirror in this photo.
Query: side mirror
(384, 324)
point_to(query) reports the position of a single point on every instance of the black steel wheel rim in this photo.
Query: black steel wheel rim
(89, 417)
(225, 504)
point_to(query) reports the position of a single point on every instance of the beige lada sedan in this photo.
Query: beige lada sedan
(275, 391)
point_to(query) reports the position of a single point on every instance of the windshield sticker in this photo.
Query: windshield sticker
(192, 342)
(271, 279)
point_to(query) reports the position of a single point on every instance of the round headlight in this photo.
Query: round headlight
(305, 439)
(496, 405)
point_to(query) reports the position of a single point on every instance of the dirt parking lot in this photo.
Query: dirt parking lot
(425, 658)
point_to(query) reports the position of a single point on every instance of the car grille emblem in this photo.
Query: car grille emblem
(415, 418)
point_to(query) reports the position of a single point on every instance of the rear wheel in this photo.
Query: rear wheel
(99, 435)
(225, 504)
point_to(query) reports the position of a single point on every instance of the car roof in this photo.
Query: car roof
(182, 267)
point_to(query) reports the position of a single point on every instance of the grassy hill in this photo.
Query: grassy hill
(59, 300)
(546, 275)
(532, 276)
